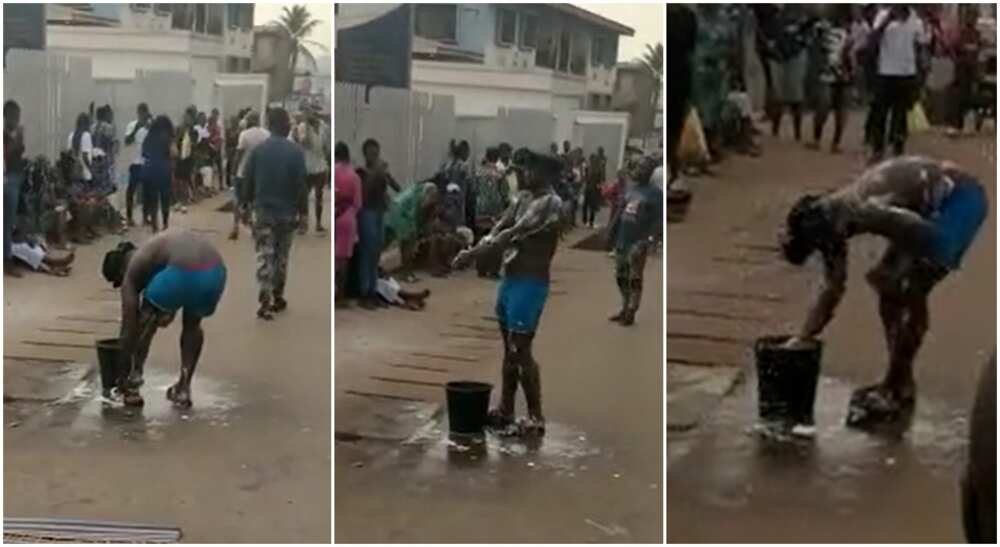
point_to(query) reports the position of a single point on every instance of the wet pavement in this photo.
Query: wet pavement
(249, 462)
(727, 482)
(596, 475)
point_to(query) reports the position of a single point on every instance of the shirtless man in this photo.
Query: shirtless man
(174, 269)
(930, 211)
(527, 233)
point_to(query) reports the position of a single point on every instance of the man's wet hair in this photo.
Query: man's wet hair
(807, 229)
(368, 144)
(341, 152)
(115, 262)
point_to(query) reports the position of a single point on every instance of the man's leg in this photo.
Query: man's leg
(264, 236)
(621, 279)
(318, 185)
(192, 340)
(283, 248)
(901, 100)
(838, 100)
(878, 115)
(504, 415)
(133, 182)
(234, 234)
(148, 327)
(530, 378)
(636, 266)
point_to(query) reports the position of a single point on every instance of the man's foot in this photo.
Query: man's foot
(234, 234)
(813, 145)
(280, 305)
(265, 312)
(617, 317)
(180, 397)
(130, 223)
(133, 398)
(879, 404)
(628, 319)
(498, 419)
(835, 148)
(533, 425)
(367, 303)
(303, 228)
(320, 229)
(135, 380)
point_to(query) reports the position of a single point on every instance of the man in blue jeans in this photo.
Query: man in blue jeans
(375, 184)
(13, 175)
(527, 234)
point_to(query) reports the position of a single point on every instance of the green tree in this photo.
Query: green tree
(298, 24)
(652, 61)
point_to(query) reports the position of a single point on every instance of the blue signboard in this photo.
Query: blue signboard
(377, 52)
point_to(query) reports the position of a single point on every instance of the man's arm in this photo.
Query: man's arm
(249, 178)
(538, 216)
(834, 286)
(141, 266)
(901, 226)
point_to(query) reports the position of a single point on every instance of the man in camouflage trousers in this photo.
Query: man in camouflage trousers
(639, 227)
(275, 186)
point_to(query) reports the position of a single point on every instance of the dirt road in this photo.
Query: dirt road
(250, 462)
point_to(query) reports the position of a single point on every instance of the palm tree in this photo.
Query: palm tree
(298, 23)
(652, 61)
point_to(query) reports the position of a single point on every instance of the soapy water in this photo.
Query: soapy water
(432, 453)
(87, 413)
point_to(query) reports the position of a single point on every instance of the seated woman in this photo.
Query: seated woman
(35, 255)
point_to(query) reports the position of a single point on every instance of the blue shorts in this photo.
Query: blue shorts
(196, 290)
(957, 222)
(520, 301)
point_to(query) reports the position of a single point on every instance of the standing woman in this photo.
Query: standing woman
(346, 205)
(105, 151)
(788, 65)
(157, 174)
(375, 184)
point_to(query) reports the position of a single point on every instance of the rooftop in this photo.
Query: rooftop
(594, 18)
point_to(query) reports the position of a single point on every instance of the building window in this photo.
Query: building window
(215, 14)
(506, 26)
(200, 17)
(597, 53)
(528, 32)
(565, 43)
(183, 16)
(437, 22)
(545, 54)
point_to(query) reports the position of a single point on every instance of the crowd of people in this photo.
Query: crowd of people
(819, 59)
(170, 166)
(431, 221)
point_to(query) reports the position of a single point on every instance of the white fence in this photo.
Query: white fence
(414, 128)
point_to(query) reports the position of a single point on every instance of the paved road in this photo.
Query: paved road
(249, 463)
(725, 485)
(597, 475)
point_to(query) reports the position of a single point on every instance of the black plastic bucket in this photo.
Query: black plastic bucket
(468, 406)
(107, 357)
(786, 380)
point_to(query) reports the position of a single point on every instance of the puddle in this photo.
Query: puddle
(837, 463)
(88, 415)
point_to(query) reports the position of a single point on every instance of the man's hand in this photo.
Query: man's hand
(462, 259)
(798, 343)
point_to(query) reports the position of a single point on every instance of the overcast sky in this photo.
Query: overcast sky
(265, 13)
(646, 19)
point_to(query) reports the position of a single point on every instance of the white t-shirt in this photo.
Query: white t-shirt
(249, 139)
(898, 51)
(86, 149)
(312, 143)
(135, 149)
